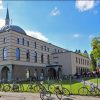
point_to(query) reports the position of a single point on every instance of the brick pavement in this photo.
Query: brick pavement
(34, 96)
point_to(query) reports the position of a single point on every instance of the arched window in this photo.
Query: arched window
(35, 56)
(27, 55)
(42, 59)
(48, 59)
(17, 54)
(5, 53)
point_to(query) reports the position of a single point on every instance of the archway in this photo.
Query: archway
(4, 73)
(52, 73)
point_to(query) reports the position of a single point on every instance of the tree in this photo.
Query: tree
(95, 53)
(93, 62)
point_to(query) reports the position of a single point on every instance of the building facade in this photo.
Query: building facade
(23, 56)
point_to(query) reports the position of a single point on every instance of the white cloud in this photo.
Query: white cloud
(1, 5)
(84, 5)
(2, 22)
(55, 12)
(76, 35)
(37, 35)
(91, 36)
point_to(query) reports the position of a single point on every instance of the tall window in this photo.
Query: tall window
(35, 45)
(23, 41)
(83, 61)
(27, 43)
(35, 56)
(48, 59)
(55, 50)
(42, 59)
(48, 49)
(27, 55)
(45, 48)
(5, 53)
(41, 47)
(79, 60)
(17, 54)
(4, 40)
(76, 60)
(17, 40)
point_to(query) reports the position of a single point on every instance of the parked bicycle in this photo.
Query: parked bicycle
(11, 87)
(61, 91)
(2, 85)
(30, 87)
(44, 92)
(89, 90)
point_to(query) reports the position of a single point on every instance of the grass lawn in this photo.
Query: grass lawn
(94, 80)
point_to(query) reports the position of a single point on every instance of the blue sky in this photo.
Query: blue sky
(68, 24)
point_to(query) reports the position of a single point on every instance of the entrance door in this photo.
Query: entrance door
(52, 73)
(4, 73)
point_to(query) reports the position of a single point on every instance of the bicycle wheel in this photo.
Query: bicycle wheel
(52, 88)
(97, 91)
(21, 88)
(6, 88)
(65, 92)
(83, 91)
(59, 94)
(30, 88)
(15, 88)
(42, 95)
(48, 94)
(36, 88)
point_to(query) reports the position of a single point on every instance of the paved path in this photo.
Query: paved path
(34, 96)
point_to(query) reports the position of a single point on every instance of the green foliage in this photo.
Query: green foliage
(95, 53)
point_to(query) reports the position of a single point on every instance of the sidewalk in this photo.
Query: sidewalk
(36, 96)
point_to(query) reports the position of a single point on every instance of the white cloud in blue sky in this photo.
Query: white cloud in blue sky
(1, 5)
(37, 35)
(91, 36)
(84, 5)
(55, 12)
(2, 22)
(76, 35)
